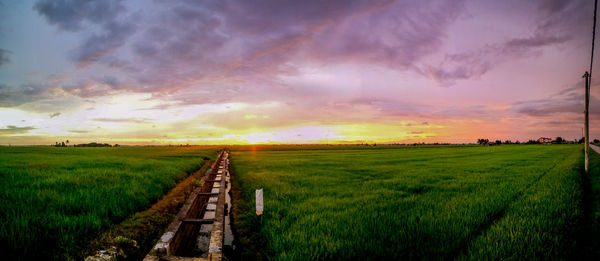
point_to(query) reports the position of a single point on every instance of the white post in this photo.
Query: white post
(259, 202)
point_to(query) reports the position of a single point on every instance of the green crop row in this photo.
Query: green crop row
(542, 224)
(408, 203)
(53, 201)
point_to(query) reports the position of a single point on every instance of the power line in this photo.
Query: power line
(593, 40)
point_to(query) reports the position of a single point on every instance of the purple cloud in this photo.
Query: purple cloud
(11, 96)
(74, 16)
(565, 102)
(114, 35)
(215, 45)
(69, 15)
(560, 21)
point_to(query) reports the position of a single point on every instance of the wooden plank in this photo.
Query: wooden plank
(198, 221)
(208, 194)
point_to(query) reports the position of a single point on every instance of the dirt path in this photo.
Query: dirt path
(596, 148)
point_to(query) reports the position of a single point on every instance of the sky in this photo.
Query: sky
(266, 71)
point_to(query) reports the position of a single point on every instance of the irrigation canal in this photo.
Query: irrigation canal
(202, 228)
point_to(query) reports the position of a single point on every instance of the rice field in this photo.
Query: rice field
(53, 201)
(417, 203)
(321, 202)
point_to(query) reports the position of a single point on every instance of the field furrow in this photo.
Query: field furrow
(424, 203)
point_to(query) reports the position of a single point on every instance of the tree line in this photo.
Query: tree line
(91, 144)
(557, 140)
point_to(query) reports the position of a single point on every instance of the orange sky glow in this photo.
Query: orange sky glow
(336, 72)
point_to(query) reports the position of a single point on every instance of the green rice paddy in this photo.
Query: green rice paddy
(438, 202)
(321, 202)
(53, 201)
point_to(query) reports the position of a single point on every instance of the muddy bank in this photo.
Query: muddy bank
(245, 224)
(135, 236)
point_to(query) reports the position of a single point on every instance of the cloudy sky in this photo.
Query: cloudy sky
(208, 72)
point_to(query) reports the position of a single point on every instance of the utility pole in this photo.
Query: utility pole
(587, 120)
(588, 83)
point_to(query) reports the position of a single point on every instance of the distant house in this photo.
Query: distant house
(543, 140)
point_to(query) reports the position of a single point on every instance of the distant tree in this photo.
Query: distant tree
(93, 144)
(507, 142)
(596, 141)
(517, 142)
(498, 142)
(582, 140)
(559, 140)
(116, 145)
(482, 141)
(62, 144)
